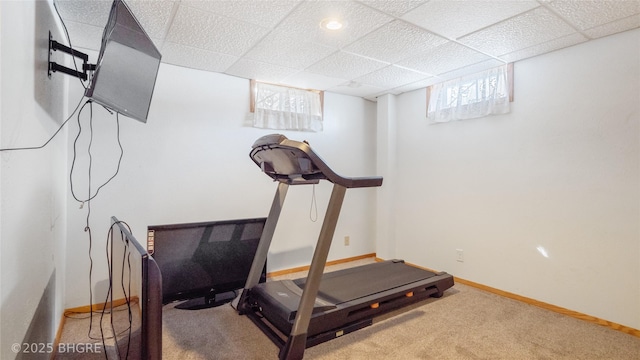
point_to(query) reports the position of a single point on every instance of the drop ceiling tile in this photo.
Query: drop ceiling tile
(201, 29)
(153, 16)
(195, 58)
(345, 65)
(525, 30)
(356, 89)
(85, 12)
(260, 71)
(588, 14)
(394, 41)
(83, 36)
(444, 58)
(281, 49)
(555, 44)
(307, 80)
(211, 35)
(264, 13)
(625, 24)
(390, 77)
(304, 22)
(394, 7)
(453, 19)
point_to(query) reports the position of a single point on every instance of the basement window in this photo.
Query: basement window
(472, 96)
(286, 108)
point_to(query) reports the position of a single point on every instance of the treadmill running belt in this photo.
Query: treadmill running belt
(353, 283)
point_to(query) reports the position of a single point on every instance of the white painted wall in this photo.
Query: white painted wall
(32, 183)
(560, 171)
(191, 163)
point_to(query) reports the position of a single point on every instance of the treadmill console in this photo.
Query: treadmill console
(294, 163)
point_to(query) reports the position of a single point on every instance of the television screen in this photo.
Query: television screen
(205, 262)
(127, 66)
(135, 299)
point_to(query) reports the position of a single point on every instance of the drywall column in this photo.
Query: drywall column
(386, 167)
(33, 205)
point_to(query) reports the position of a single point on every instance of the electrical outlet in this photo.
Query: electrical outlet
(460, 255)
(346, 240)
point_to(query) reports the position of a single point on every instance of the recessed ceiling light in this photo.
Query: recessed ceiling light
(331, 24)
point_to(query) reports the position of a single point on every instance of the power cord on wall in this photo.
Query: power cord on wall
(90, 196)
(73, 161)
(52, 136)
(87, 201)
(64, 26)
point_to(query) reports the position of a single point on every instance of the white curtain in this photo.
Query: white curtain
(473, 96)
(281, 107)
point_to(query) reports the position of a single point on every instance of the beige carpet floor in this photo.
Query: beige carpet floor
(466, 323)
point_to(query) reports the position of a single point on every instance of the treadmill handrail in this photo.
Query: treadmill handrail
(312, 173)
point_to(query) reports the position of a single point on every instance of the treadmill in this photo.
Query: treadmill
(296, 314)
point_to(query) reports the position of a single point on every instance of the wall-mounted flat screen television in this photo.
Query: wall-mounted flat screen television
(127, 65)
(135, 297)
(205, 262)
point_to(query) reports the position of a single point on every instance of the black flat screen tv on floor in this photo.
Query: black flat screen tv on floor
(135, 297)
(205, 263)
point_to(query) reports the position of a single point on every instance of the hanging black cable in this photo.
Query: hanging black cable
(106, 301)
(73, 161)
(87, 228)
(51, 138)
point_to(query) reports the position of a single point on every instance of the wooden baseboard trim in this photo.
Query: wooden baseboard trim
(554, 308)
(83, 310)
(99, 307)
(543, 305)
(329, 263)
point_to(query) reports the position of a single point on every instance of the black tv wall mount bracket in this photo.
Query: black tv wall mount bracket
(53, 66)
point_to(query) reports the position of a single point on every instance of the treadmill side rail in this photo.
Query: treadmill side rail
(263, 248)
(297, 341)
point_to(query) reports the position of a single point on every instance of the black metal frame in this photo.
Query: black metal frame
(54, 67)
